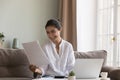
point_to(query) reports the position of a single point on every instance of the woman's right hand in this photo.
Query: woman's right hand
(32, 67)
(35, 69)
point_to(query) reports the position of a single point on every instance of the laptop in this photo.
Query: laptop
(35, 54)
(87, 68)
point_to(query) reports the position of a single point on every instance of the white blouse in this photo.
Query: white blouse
(60, 64)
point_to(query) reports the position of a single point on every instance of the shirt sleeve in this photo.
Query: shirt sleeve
(43, 67)
(70, 60)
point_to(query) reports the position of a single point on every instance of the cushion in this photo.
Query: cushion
(14, 63)
(92, 54)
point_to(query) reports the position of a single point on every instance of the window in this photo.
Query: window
(108, 29)
(86, 25)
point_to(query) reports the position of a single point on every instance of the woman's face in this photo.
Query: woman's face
(53, 33)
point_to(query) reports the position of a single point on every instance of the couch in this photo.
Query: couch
(14, 63)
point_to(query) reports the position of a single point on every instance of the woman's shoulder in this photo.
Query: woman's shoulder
(66, 43)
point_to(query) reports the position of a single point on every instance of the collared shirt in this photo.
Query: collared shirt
(60, 63)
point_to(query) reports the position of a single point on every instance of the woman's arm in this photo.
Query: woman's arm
(70, 60)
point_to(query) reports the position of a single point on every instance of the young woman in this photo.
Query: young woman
(59, 52)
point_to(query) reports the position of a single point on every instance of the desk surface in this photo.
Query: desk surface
(67, 79)
(44, 79)
(15, 79)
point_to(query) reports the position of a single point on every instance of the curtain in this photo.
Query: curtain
(67, 16)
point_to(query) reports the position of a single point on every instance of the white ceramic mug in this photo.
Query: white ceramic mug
(104, 75)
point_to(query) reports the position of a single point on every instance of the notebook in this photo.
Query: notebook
(87, 68)
(35, 54)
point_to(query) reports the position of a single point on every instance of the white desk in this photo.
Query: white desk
(65, 79)
(42, 79)
(15, 79)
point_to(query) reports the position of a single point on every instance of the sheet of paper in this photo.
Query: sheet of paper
(35, 54)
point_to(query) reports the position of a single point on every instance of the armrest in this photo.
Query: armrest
(113, 72)
(108, 69)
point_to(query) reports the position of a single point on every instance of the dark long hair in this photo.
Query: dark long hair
(53, 22)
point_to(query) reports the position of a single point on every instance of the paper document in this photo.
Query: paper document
(35, 54)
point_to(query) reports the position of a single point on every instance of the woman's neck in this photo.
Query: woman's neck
(58, 41)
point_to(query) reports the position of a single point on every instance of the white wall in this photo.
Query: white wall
(25, 19)
(86, 24)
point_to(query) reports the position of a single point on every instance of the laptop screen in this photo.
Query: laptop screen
(88, 68)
